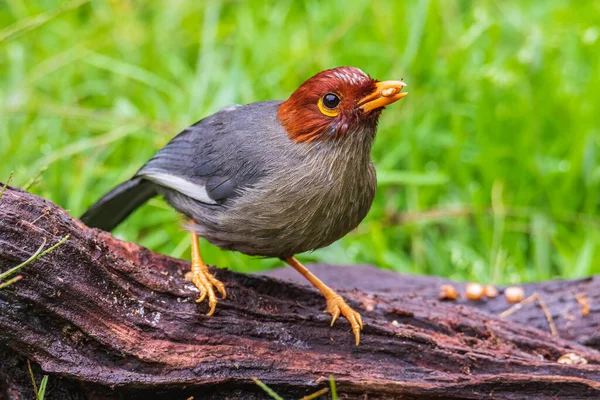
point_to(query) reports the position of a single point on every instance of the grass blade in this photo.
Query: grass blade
(35, 179)
(38, 254)
(315, 394)
(267, 389)
(334, 395)
(35, 388)
(42, 392)
(10, 281)
(28, 24)
(6, 184)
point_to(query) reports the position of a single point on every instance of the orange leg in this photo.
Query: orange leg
(335, 304)
(202, 279)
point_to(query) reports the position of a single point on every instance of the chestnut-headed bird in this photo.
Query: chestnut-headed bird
(271, 179)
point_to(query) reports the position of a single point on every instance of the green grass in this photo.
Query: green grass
(41, 392)
(5, 277)
(315, 395)
(488, 169)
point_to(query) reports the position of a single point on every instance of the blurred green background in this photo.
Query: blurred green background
(488, 170)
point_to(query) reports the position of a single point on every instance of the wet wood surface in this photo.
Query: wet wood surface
(109, 319)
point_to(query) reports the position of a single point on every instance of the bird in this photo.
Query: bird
(270, 179)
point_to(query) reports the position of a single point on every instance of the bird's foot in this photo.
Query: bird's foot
(206, 282)
(336, 306)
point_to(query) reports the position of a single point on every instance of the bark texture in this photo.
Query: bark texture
(110, 319)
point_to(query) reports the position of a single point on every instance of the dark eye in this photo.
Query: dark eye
(331, 100)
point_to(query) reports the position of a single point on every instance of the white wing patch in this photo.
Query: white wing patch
(194, 190)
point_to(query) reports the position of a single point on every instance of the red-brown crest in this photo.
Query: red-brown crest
(326, 105)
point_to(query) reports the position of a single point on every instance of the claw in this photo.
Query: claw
(336, 306)
(205, 281)
(202, 296)
(218, 284)
(335, 315)
(355, 327)
(202, 279)
(212, 305)
(359, 318)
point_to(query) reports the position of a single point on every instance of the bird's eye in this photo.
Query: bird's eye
(328, 104)
(331, 100)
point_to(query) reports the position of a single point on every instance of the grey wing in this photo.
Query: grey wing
(203, 162)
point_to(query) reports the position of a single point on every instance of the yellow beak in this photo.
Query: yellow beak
(386, 92)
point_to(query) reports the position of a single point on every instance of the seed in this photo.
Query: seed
(583, 301)
(571, 359)
(474, 291)
(448, 292)
(514, 294)
(490, 291)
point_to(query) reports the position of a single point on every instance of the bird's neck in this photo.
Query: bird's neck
(354, 149)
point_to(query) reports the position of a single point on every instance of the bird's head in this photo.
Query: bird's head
(335, 103)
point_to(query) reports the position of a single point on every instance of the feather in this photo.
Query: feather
(196, 191)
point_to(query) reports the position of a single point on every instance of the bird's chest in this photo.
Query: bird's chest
(304, 201)
(338, 196)
(341, 185)
(316, 204)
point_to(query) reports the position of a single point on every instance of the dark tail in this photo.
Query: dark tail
(116, 205)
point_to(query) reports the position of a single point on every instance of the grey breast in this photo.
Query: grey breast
(249, 188)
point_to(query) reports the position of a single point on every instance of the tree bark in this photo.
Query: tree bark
(109, 319)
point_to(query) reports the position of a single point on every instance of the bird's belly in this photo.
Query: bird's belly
(290, 219)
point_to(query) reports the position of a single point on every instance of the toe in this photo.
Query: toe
(353, 319)
(336, 306)
(206, 284)
(201, 287)
(221, 288)
(335, 314)
(201, 298)
(212, 302)
(212, 308)
(219, 285)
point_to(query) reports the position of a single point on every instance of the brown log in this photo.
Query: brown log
(564, 298)
(109, 319)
